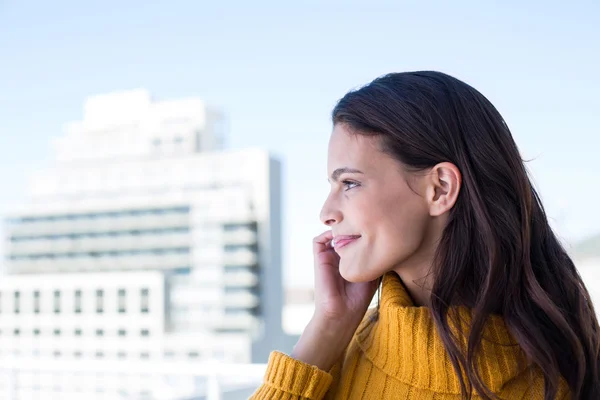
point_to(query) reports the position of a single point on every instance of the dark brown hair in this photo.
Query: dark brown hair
(514, 264)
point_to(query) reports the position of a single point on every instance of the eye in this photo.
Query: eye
(349, 184)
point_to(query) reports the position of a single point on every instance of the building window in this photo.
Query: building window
(145, 294)
(99, 332)
(57, 332)
(121, 354)
(145, 332)
(181, 271)
(193, 354)
(77, 302)
(56, 353)
(36, 302)
(99, 301)
(56, 302)
(17, 302)
(36, 332)
(77, 354)
(121, 300)
(99, 354)
(122, 332)
(145, 355)
(78, 332)
(17, 332)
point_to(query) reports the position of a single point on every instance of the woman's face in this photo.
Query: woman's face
(379, 222)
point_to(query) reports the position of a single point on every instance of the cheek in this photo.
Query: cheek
(400, 236)
(392, 232)
(383, 247)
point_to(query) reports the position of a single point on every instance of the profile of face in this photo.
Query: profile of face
(383, 217)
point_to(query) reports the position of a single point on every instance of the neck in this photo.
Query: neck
(418, 285)
(417, 289)
(416, 273)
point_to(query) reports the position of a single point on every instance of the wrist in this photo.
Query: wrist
(322, 343)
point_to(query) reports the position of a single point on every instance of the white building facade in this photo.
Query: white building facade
(146, 241)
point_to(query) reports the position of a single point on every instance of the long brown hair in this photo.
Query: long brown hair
(513, 265)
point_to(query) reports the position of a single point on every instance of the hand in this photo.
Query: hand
(339, 308)
(336, 299)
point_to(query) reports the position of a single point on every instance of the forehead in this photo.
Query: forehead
(352, 150)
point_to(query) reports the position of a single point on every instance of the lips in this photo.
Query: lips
(344, 240)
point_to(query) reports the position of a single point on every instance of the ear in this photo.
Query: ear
(444, 185)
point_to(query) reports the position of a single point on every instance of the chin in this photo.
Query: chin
(355, 274)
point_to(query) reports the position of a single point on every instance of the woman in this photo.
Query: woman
(478, 297)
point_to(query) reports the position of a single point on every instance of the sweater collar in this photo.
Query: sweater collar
(404, 343)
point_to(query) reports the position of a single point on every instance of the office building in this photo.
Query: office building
(145, 241)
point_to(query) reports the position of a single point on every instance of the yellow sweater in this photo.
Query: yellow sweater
(401, 356)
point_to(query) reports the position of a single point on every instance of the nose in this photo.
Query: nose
(330, 214)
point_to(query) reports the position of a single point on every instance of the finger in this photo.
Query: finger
(322, 242)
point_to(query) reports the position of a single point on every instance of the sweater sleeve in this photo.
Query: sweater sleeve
(287, 378)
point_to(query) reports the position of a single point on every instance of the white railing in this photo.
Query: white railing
(218, 379)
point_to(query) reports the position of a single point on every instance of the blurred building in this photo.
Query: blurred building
(586, 256)
(298, 310)
(146, 240)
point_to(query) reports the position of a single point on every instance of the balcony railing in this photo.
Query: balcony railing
(23, 379)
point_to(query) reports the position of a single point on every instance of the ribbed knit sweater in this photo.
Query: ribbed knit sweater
(401, 356)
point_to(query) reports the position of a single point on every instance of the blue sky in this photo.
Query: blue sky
(277, 69)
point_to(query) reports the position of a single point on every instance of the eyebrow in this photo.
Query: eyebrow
(345, 170)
